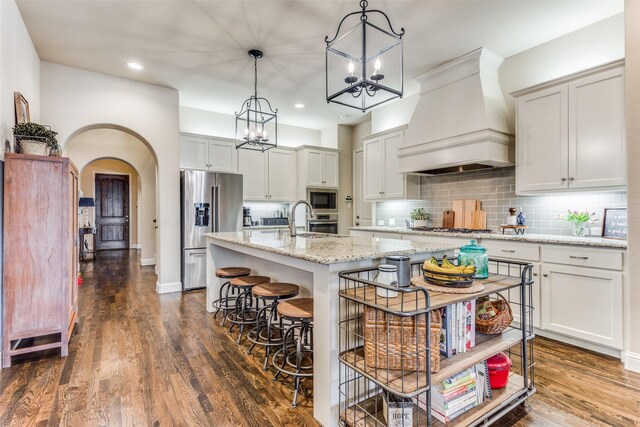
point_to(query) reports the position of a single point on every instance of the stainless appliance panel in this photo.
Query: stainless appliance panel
(323, 200)
(329, 227)
(196, 189)
(228, 202)
(194, 274)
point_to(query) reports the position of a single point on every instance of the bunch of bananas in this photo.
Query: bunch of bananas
(434, 271)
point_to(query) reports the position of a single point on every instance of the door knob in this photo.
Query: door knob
(545, 275)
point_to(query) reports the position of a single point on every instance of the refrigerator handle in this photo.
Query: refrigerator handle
(216, 208)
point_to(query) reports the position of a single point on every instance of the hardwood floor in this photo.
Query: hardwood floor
(141, 359)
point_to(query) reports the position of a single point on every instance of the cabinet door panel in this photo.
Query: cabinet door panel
(331, 170)
(362, 208)
(283, 169)
(223, 157)
(253, 167)
(583, 303)
(315, 169)
(394, 181)
(514, 295)
(373, 169)
(193, 152)
(542, 143)
(597, 145)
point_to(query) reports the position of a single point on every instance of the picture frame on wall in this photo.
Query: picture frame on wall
(614, 223)
(22, 108)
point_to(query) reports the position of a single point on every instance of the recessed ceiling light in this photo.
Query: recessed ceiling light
(298, 105)
(135, 66)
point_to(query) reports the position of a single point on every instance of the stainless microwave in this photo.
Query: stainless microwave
(323, 199)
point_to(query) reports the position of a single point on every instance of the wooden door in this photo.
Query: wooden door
(330, 161)
(252, 165)
(315, 169)
(543, 147)
(112, 212)
(223, 156)
(193, 152)
(282, 167)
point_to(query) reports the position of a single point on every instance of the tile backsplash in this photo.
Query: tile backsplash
(496, 189)
(261, 210)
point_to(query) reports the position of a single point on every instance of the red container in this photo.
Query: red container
(499, 366)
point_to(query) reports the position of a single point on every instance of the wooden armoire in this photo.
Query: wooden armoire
(40, 291)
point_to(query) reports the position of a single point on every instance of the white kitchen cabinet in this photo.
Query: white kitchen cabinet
(361, 208)
(268, 176)
(583, 303)
(207, 153)
(571, 133)
(319, 167)
(381, 178)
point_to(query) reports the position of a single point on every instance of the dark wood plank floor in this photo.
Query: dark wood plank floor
(141, 359)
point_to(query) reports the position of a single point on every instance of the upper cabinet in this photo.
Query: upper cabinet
(571, 133)
(268, 176)
(208, 153)
(318, 167)
(381, 178)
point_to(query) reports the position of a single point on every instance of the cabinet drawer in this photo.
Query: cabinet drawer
(583, 257)
(512, 250)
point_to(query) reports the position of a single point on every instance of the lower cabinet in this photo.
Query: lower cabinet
(513, 296)
(583, 303)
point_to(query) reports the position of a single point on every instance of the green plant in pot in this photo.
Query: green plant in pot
(419, 217)
(34, 138)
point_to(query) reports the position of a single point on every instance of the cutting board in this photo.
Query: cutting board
(458, 210)
(478, 220)
(469, 207)
(448, 219)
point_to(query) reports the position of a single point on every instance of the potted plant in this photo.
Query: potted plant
(579, 221)
(34, 138)
(419, 217)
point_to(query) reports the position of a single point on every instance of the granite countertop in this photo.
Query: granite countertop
(263, 227)
(328, 248)
(531, 238)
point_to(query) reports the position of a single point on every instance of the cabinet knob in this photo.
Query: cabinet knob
(545, 275)
(564, 179)
(535, 274)
(570, 178)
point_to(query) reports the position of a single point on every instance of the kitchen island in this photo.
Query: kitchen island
(312, 261)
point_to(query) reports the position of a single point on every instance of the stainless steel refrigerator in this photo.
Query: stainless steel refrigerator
(210, 202)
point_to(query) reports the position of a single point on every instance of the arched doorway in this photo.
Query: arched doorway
(115, 152)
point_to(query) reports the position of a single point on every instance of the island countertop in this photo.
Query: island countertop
(328, 248)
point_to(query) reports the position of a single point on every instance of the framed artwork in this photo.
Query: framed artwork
(22, 108)
(614, 224)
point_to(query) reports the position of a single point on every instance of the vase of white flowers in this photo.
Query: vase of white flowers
(579, 221)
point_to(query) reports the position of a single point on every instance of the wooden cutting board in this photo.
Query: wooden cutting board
(469, 207)
(458, 210)
(448, 219)
(478, 220)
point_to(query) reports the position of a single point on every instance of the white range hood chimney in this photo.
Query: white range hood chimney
(461, 120)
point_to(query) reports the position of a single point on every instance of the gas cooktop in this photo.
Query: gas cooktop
(451, 230)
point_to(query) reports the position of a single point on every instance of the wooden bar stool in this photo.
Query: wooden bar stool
(244, 312)
(222, 303)
(269, 327)
(296, 361)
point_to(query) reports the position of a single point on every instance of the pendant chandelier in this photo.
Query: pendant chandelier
(257, 122)
(364, 61)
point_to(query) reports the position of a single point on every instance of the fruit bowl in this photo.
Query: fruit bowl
(448, 274)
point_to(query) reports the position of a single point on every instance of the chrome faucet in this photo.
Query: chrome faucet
(292, 216)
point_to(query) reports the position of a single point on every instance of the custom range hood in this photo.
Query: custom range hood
(460, 122)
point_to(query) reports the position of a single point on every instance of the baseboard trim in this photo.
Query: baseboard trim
(147, 261)
(631, 361)
(136, 246)
(168, 287)
(580, 343)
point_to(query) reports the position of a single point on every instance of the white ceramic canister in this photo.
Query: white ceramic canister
(388, 275)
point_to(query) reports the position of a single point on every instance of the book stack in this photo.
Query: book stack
(458, 333)
(458, 394)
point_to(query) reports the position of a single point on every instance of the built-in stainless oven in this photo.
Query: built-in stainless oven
(323, 223)
(323, 200)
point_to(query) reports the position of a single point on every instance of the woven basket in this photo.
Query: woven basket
(400, 343)
(497, 324)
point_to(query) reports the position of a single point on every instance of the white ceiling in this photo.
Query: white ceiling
(200, 47)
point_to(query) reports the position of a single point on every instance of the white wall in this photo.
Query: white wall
(110, 143)
(363, 129)
(73, 100)
(632, 79)
(203, 122)
(329, 137)
(19, 69)
(392, 115)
